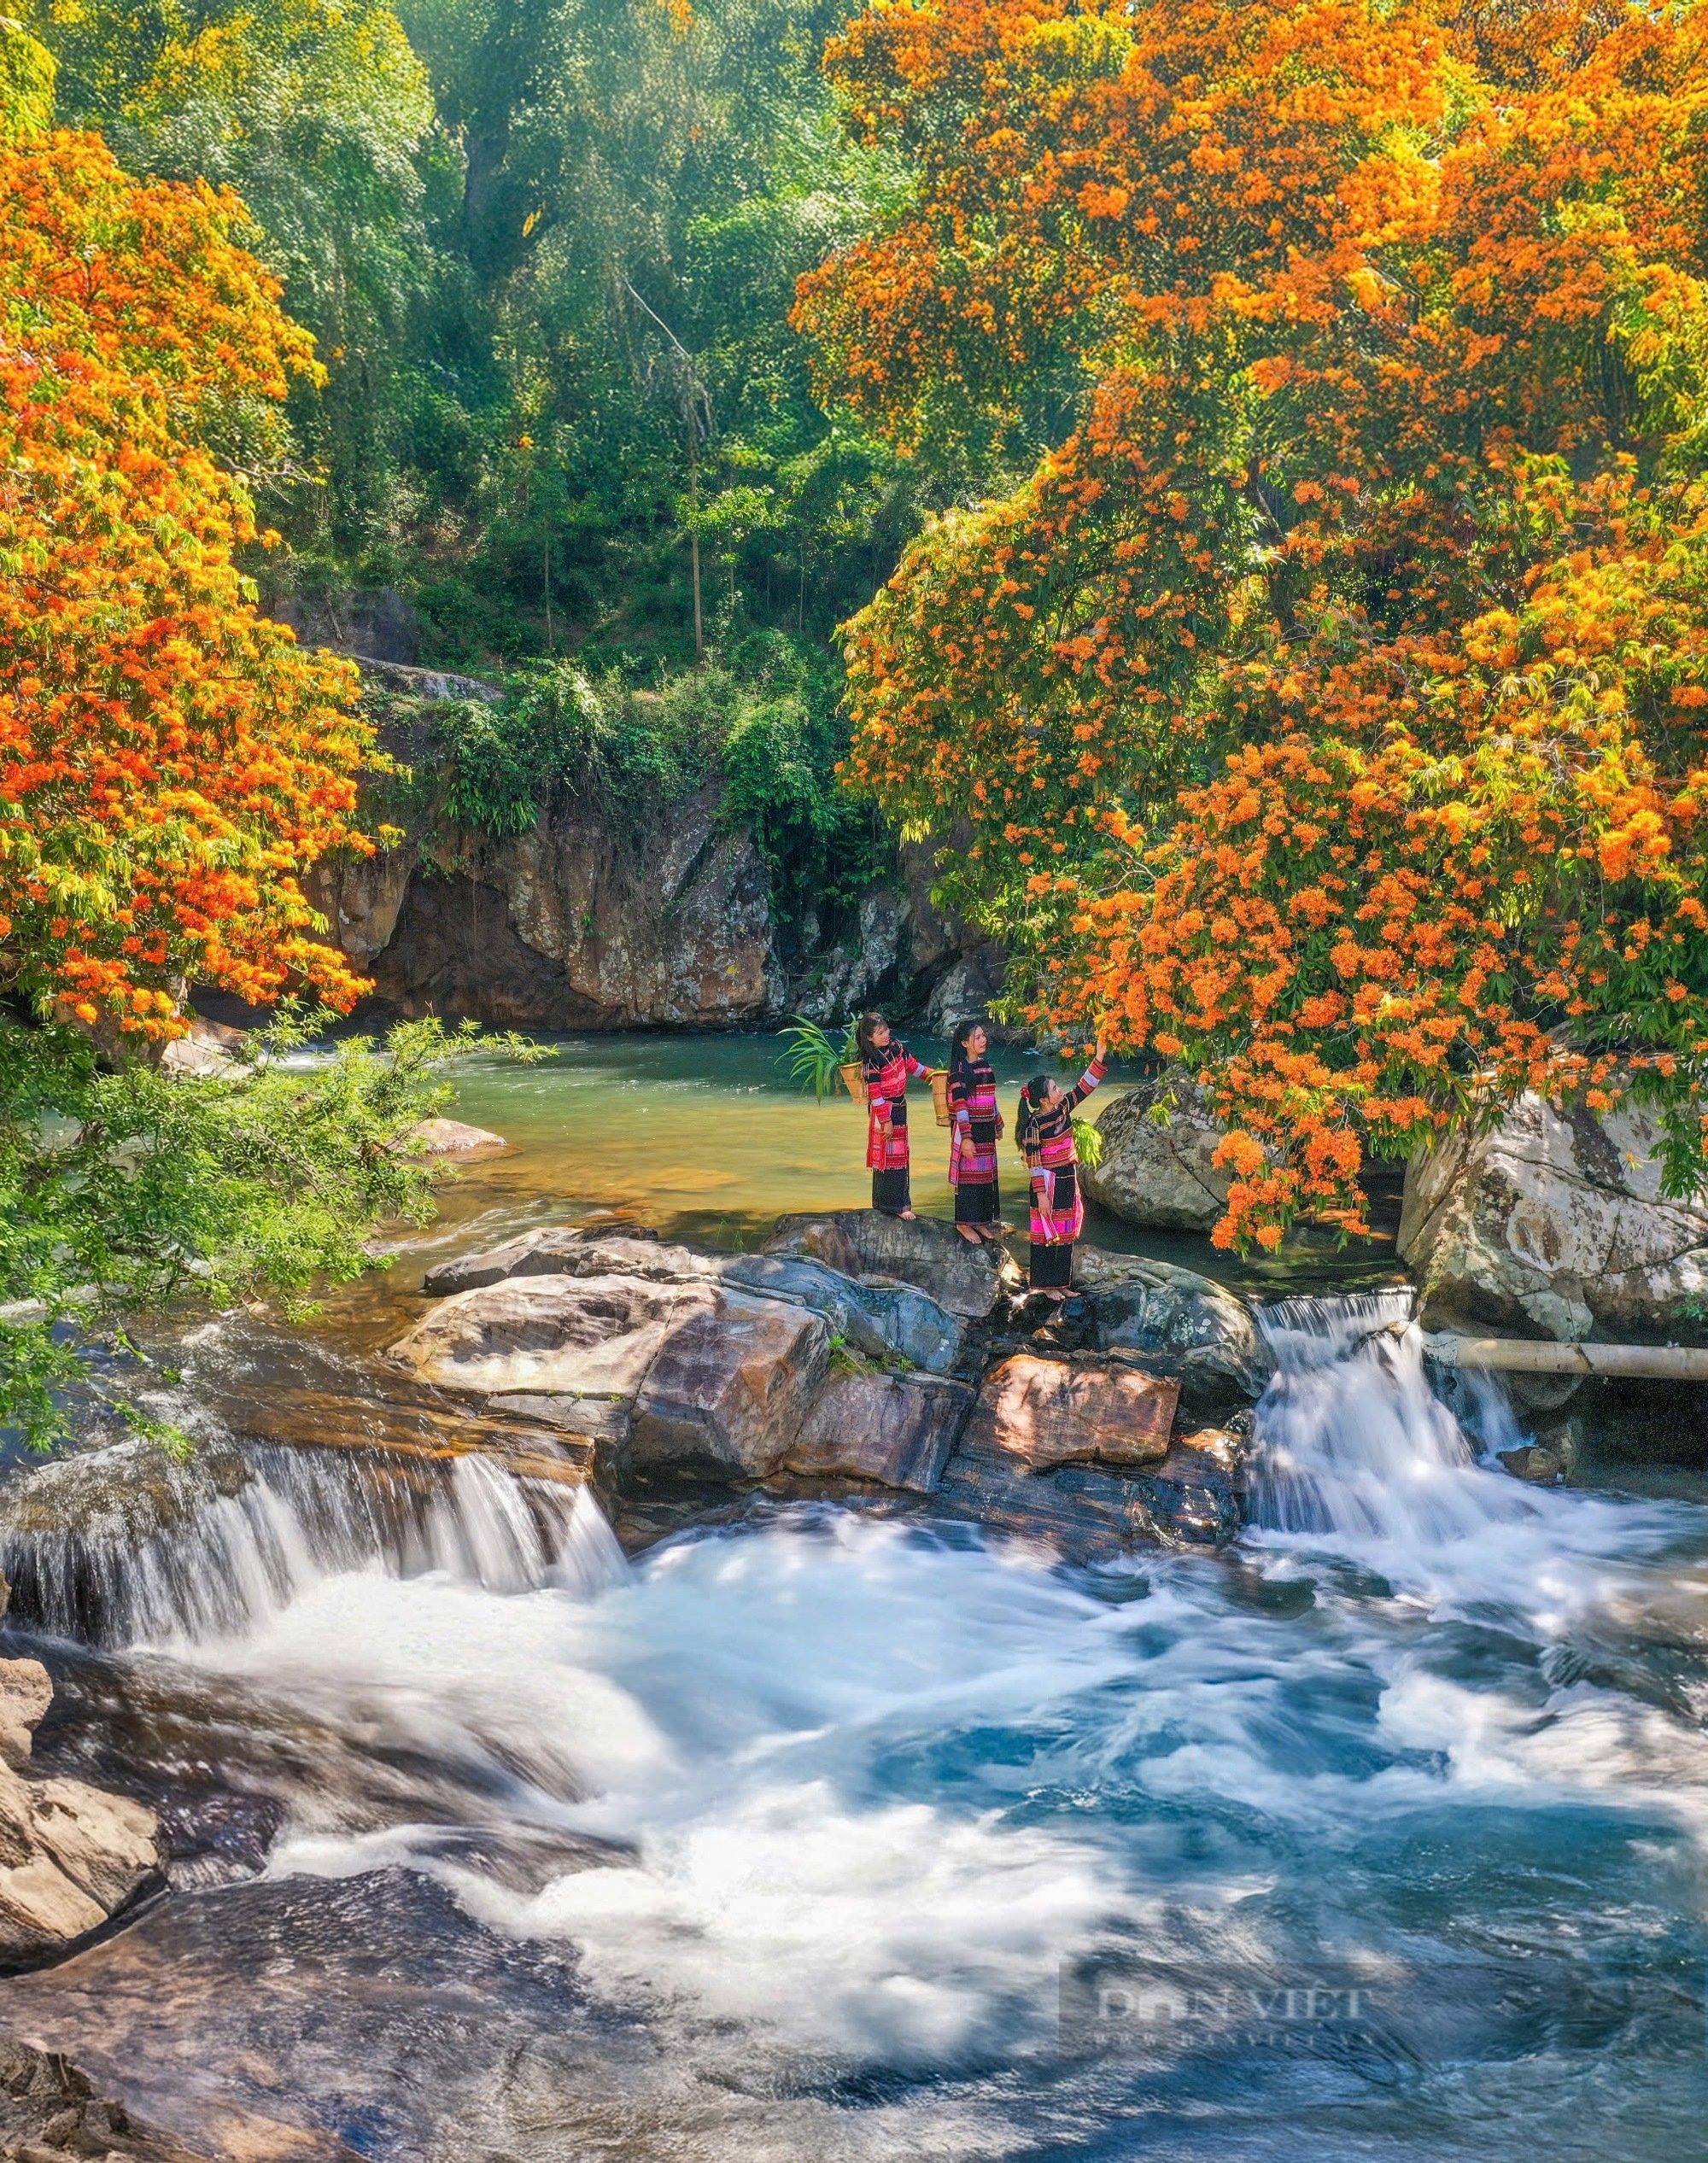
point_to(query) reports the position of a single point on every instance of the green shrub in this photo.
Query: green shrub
(131, 1192)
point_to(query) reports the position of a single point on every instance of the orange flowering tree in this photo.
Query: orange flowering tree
(169, 759)
(1325, 706)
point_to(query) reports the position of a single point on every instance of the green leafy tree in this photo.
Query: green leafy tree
(139, 1192)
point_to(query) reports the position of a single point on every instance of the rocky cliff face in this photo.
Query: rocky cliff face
(575, 925)
(663, 917)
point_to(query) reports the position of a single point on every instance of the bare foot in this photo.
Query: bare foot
(973, 1238)
(1055, 1292)
(906, 1215)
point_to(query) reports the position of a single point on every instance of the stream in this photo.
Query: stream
(826, 1831)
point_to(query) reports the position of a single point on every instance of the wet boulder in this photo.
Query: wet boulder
(1042, 1412)
(70, 1857)
(1554, 1224)
(966, 1279)
(602, 1421)
(594, 1337)
(49, 2111)
(26, 1693)
(572, 1250)
(1188, 1495)
(896, 1430)
(1192, 1497)
(1088, 1514)
(451, 1137)
(880, 1321)
(1158, 1163)
(1182, 1324)
(729, 1387)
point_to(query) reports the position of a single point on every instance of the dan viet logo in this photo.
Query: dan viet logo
(1123, 2003)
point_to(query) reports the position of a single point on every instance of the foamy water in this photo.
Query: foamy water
(869, 1787)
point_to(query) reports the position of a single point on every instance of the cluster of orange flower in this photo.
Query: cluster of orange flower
(169, 759)
(1327, 711)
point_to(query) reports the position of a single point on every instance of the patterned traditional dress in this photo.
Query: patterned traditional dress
(885, 1074)
(975, 1124)
(1058, 1209)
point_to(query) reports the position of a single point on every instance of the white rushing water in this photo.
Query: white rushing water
(869, 1784)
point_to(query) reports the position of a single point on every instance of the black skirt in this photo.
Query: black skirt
(892, 1191)
(979, 1203)
(1052, 1267)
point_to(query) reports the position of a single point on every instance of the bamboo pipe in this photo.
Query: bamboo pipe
(1531, 1356)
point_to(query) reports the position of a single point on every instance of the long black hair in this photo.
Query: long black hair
(958, 1053)
(862, 1034)
(1026, 1121)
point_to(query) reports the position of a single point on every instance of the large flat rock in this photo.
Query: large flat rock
(880, 1320)
(579, 1336)
(572, 1250)
(966, 1280)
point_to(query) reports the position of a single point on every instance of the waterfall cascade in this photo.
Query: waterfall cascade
(1353, 1441)
(211, 1546)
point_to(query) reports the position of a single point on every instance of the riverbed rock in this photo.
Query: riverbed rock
(1044, 1412)
(573, 1250)
(70, 1857)
(896, 1430)
(50, 2110)
(1183, 1323)
(210, 1048)
(1159, 1145)
(1554, 1224)
(451, 1137)
(26, 1693)
(865, 1243)
(603, 1422)
(729, 1388)
(1550, 1458)
(548, 1335)
(1191, 1498)
(1188, 1496)
(880, 1321)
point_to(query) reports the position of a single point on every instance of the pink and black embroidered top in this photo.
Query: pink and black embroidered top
(1058, 1209)
(886, 1075)
(976, 1124)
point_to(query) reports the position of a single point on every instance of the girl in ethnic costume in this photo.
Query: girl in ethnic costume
(976, 1125)
(886, 1066)
(1043, 1128)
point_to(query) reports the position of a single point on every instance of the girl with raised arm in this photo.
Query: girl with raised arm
(1043, 1128)
(886, 1066)
(975, 1127)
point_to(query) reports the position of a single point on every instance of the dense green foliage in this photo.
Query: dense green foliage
(547, 253)
(136, 1190)
(764, 729)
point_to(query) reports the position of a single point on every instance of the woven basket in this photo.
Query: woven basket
(854, 1081)
(939, 1097)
